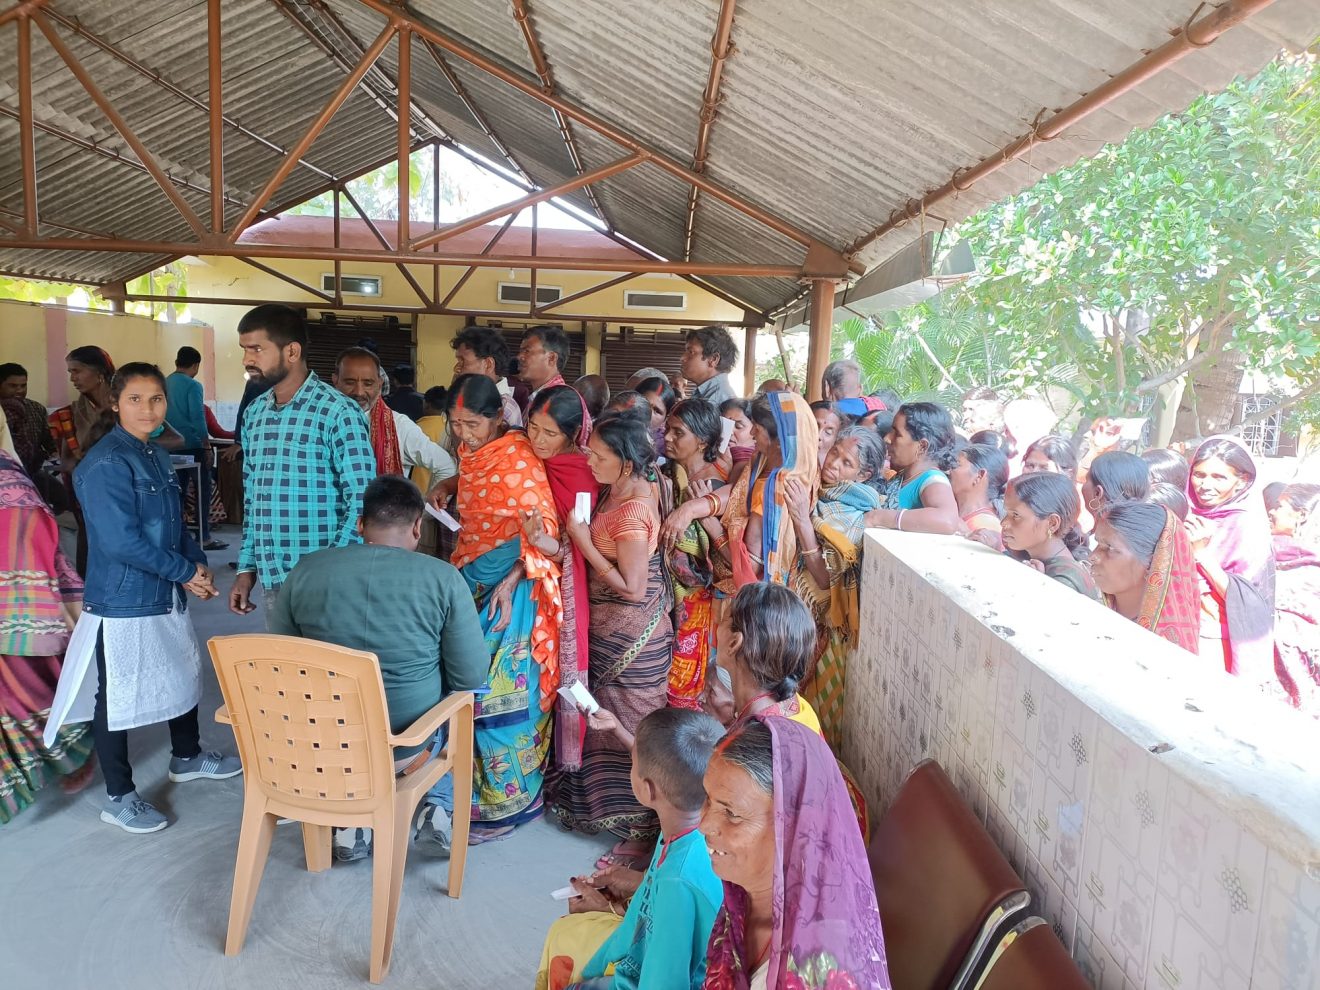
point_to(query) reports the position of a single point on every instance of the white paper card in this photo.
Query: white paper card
(442, 517)
(582, 508)
(727, 427)
(578, 694)
(564, 894)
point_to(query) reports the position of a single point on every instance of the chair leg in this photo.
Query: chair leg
(254, 839)
(403, 818)
(316, 847)
(460, 751)
(383, 856)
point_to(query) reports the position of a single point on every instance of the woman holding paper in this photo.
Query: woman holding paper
(692, 437)
(558, 428)
(39, 599)
(631, 634)
(516, 586)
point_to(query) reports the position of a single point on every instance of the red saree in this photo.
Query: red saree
(1170, 605)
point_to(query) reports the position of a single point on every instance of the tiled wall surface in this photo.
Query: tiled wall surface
(1161, 870)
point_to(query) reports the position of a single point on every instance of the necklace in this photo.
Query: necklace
(745, 708)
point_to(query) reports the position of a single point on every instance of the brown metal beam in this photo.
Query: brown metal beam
(1194, 35)
(404, 178)
(109, 153)
(462, 279)
(531, 199)
(214, 70)
(461, 92)
(121, 125)
(296, 283)
(46, 221)
(382, 308)
(27, 138)
(73, 26)
(524, 18)
(383, 257)
(317, 126)
(540, 310)
(384, 242)
(721, 47)
(21, 10)
(599, 125)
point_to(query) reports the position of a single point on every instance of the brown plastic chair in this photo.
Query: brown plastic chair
(1030, 957)
(945, 890)
(315, 740)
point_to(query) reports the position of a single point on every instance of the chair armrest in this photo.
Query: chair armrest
(222, 716)
(427, 724)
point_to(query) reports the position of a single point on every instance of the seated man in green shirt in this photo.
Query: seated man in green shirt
(660, 941)
(413, 611)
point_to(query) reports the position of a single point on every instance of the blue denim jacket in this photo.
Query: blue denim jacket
(139, 552)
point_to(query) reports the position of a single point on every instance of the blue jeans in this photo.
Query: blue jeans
(442, 793)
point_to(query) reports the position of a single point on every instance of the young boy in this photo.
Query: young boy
(661, 941)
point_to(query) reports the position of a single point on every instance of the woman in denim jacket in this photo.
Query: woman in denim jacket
(141, 559)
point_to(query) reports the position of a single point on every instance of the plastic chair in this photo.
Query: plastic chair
(945, 890)
(1030, 958)
(314, 736)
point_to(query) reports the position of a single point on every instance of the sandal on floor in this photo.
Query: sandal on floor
(477, 836)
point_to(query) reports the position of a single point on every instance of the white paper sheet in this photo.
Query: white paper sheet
(564, 894)
(582, 508)
(727, 426)
(578, 694)
(442, 517)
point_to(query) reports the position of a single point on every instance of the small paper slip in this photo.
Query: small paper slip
(564, 894)
(442, 517)
(578, 694)
(582, 508)
(727, 427)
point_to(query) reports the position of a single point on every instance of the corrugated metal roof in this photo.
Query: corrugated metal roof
(834, 113)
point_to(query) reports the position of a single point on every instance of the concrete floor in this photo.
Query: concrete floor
(86, 905)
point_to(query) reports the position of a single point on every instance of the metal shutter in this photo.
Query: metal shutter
(325, 341)
(627, 349)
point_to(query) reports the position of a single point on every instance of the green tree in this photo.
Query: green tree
(1190, 249)
(378, 192)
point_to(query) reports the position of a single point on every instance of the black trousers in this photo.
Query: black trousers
(112, 745)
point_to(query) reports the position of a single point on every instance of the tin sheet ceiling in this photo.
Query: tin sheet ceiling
(833, 113)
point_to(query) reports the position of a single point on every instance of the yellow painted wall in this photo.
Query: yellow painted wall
(230, 278)
(38, 336)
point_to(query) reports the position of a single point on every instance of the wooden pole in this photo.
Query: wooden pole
(822, 327)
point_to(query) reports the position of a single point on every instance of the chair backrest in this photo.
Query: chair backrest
(1031, 957)
(942, 884)
(310, 721)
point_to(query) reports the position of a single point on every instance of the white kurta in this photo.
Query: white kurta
(418, 450)
(153, 671)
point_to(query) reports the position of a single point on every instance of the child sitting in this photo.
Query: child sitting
(661, 939)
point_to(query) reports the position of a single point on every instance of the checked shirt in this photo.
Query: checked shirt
(306, 465)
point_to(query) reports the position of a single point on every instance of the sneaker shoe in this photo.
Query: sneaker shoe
(216, 545)
(210, 765)
(438, 822)
(352, 844)
(132, 814)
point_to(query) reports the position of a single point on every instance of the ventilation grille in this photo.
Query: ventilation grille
(676, 301)
(352, 285)
(518, 292)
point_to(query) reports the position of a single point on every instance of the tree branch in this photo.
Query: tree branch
(1208, 355)
(936, 361)
(1284, 404)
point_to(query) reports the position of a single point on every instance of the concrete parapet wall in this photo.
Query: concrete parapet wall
(1167, 825)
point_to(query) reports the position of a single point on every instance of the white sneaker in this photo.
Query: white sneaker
(439, 823)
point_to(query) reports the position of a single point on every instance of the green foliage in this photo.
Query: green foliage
(378, 192)
(1197, 237)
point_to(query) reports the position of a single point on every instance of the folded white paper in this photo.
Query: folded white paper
(578, 694)
(582, 508)
(564, 894)
(442, 517)
(727, 426)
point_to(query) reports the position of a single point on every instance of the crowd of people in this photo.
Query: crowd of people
(653, 594)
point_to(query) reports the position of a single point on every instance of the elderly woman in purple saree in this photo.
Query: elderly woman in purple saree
(799, 904)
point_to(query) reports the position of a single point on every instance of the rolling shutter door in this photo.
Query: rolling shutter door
(325, 341)
(577, 346)
(627, 349)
